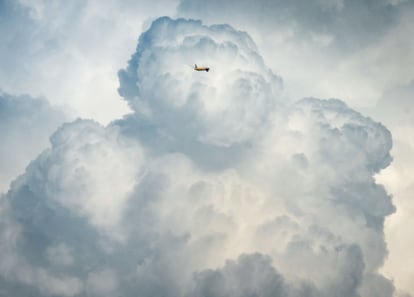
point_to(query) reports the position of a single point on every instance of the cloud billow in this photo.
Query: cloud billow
(159, 85)
(136, 208)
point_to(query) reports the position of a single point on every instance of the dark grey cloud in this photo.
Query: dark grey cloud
(250, 275)
(353, 50)
(351, 23)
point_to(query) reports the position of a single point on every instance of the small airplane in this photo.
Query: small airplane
(196, 68)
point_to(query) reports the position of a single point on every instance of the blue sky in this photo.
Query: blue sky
(125, 172)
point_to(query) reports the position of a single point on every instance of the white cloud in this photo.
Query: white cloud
(102, 283)
(90, 172)
(359, 51)
(159, 85)
(63, 215)
(396, 108)
(25, 126)
(214, 185)
(355, 50)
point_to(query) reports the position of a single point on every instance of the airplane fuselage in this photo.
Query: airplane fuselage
(206, 69)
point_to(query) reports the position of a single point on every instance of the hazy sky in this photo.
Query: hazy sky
(124, 172)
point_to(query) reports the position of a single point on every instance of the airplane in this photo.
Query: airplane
(206, 69)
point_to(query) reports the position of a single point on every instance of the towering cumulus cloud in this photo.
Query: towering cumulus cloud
(213, 186)
(224, 107)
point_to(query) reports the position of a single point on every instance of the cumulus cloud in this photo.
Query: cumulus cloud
(358, 51)
(214, 186)
(159, 86)
(24, 120)
(64, 212)
(250, 275)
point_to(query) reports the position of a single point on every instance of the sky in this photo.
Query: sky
(286, 170)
